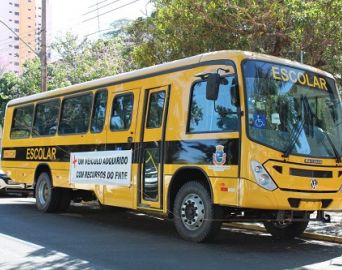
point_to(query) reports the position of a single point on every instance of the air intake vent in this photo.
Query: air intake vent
(294, 202)
(279, 169)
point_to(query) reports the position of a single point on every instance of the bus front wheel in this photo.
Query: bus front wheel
(47, 197)
(287, 230)
(195, 217)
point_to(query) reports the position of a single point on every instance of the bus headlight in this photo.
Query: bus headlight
(262, 177)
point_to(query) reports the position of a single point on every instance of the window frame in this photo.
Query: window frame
(58, 116)
(93, 110)
(188, 132)
(13, 117)
(66, 97)
(111, 113)
(149, 109)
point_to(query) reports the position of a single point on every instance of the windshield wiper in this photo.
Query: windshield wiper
(308, 120)
(295, 132)
(338, 157)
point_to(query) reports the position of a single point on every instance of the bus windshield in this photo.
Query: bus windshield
(293, 110)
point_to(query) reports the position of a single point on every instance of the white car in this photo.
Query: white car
(7, 185)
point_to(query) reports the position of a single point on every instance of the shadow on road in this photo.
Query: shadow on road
(111, 238)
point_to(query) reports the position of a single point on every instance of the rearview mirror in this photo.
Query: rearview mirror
(213, 85)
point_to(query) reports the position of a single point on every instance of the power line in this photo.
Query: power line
(111, 10)
(98, 8)
(33, 33)
(104, 30)
(19, 37)
(24, 35)
(14, 40)
(98, 3)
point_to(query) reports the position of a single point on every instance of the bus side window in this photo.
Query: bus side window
(121, 117)
(22, 122)
(212, 116)
(75, 114)
(46, 118)
(156, 109)
(99, 111)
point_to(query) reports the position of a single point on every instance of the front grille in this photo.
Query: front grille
(311, 173)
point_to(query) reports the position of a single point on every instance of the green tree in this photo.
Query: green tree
(30, 79)
(81, 61)
(8, 89)
(181, 28)
(13, 86)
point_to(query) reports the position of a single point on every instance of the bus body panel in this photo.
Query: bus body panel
(232, 185)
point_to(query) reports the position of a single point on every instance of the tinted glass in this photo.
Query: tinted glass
(212, 116)
(292, 110)
(99, 111)
(75, 114)
(46, 119)
(156, 109)
(121, 117)
(22, 122)
(151, 162)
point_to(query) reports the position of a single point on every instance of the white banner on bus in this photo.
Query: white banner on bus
(101, 167)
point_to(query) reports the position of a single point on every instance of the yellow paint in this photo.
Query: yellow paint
(234, 186)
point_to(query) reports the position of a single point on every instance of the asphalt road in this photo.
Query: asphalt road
(88, 238)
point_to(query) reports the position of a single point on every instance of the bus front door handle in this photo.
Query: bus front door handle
(130, 141)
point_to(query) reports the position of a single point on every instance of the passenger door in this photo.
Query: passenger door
(122, 135)
(153, 135)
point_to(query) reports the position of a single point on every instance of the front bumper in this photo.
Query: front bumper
(253, 196)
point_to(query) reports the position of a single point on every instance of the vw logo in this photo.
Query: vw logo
(314, 183)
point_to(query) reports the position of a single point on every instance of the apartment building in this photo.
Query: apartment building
(24, 18)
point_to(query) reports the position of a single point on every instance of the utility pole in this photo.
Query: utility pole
(43, 60)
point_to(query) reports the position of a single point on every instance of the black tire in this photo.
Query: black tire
(65, 199)
(195, 217)
(286, 231)
(47, 197)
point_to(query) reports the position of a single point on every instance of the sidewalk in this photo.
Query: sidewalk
(331, 232)
(333, 229)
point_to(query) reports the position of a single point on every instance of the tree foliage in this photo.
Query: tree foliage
(78, 61)
(82, 61)
(12, 86)
(180, 28)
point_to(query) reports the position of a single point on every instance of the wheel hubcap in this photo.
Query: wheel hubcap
(192, 212)
(43, 192)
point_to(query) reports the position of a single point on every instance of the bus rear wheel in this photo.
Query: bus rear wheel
(47, 197)
(195, 217)
(286, 230)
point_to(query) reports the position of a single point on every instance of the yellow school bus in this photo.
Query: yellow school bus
(221, 136)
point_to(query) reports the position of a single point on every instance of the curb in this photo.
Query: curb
(313, 236)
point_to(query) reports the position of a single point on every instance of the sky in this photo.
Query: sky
(72, 15)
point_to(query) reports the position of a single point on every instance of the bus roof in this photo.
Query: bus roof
(161, 68)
